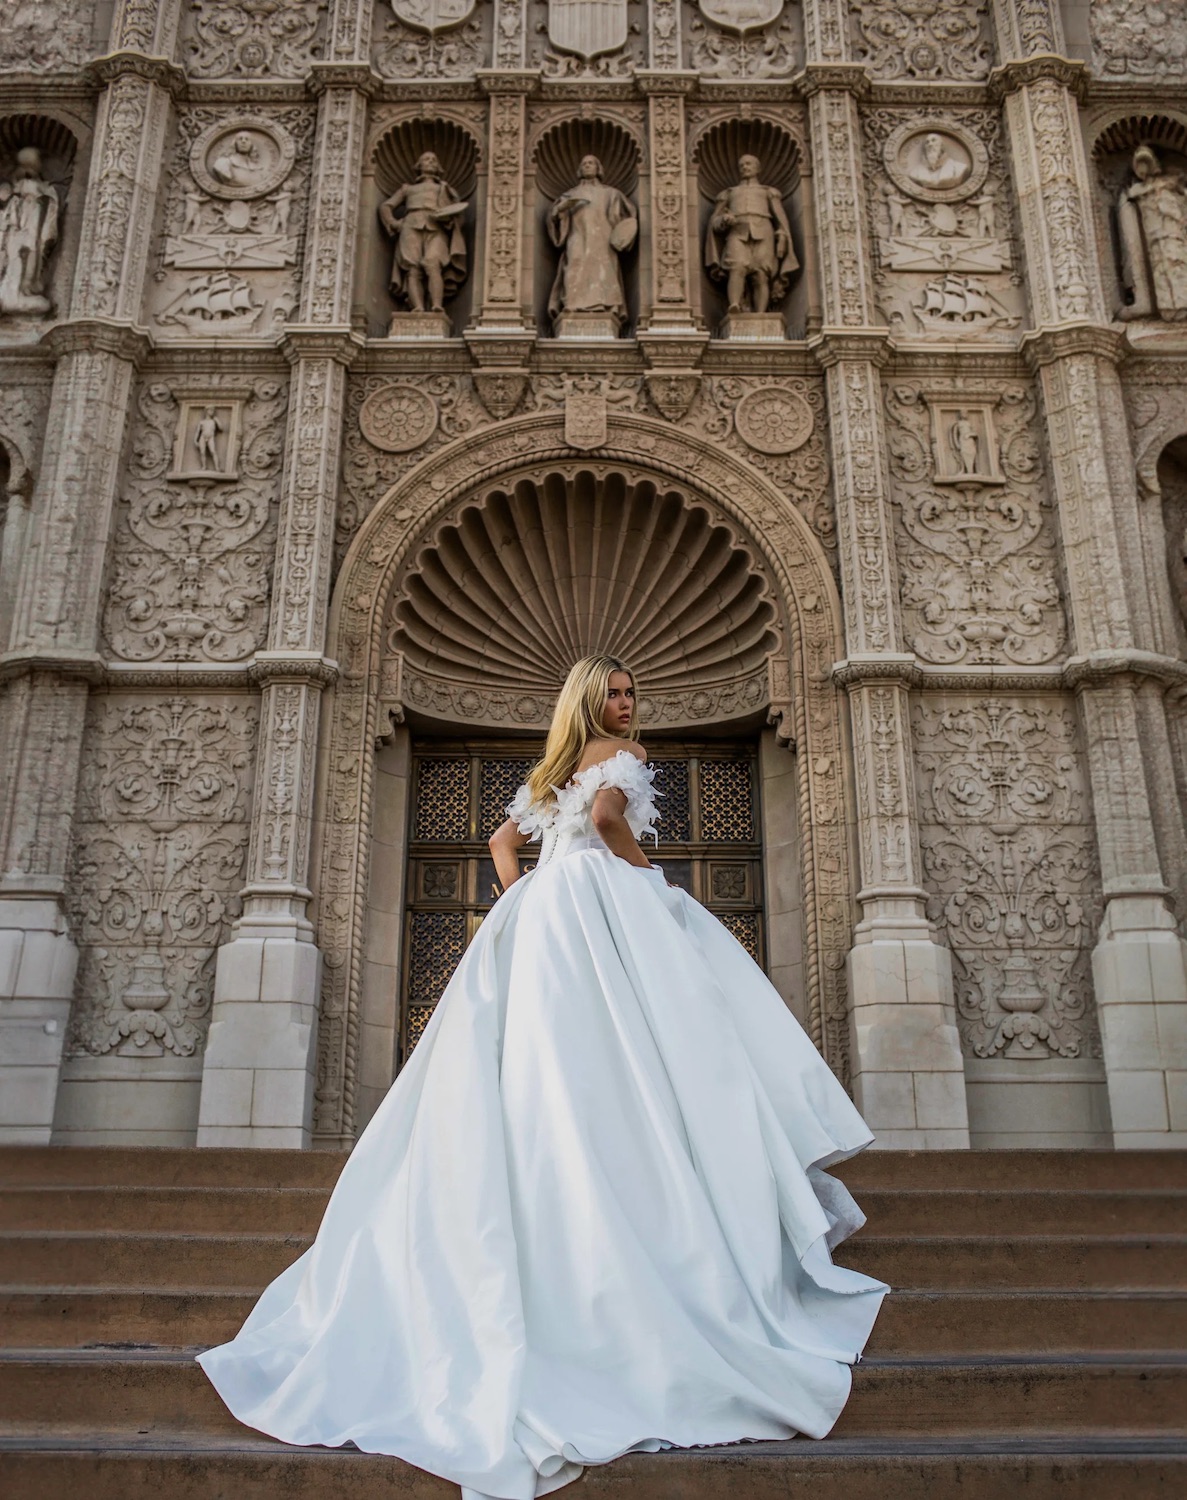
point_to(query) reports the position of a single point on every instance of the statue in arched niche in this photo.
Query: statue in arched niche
(748, 245)
(28, 233)
(593, 224)
(1152, 220)
(429, 260)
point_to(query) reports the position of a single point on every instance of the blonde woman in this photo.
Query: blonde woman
(589, 1216)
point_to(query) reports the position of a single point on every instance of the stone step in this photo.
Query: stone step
(187, 1166)
(58, 1392)
(911, 1323)
(254, 1468)
(299, 1210)
(906, 1262)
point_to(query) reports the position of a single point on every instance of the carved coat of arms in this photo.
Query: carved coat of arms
(433, 15)
(586, 423)
(588, 27)
(741, 15)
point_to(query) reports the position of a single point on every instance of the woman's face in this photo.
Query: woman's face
(620, 704)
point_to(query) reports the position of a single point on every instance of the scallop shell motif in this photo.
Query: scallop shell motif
(398, 151)
(513, 590)
(716, 155)
(558, 154)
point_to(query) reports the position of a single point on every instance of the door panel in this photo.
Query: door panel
(709, 845)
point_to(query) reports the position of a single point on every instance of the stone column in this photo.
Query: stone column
(908, 1070)
(52, 648)
(1140, 962)
(258, 1070)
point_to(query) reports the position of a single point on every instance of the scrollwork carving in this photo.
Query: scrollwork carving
(432, 39)
(731, 40)
(47, 37)
(193, 556)
(1009, 861)
(253, 38)
(158, 861)
(925, 39)
(1133, 39)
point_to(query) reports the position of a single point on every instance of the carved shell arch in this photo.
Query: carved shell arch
(397, 149)
(1122, 130)
(56, 141)
(714, 151)
(557, 152)
(508, 590)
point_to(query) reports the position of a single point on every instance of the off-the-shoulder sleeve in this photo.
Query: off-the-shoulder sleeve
(530, 817)
(629, 774)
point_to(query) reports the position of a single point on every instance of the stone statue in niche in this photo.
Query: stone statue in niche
(28, 233)
(1152, 220)
(748, 246)
(593, 225)
(429, 260)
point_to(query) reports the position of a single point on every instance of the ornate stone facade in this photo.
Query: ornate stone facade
(364, 360)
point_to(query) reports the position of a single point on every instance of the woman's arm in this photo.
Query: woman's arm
(505, 844)
(609, 818)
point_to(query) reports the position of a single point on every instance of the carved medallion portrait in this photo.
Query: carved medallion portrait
(398, 418)
(242, 157)
(936, 164)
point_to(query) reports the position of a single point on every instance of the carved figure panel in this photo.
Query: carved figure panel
(234, 223)
(922, 39)
(742, 39)
(431, 38)
(158, 861)
(975, 538)
(586, 38)
(1009, 861)
(1152, 229)
(195, 526)
(36, 170)
(942, 223)
(253, 38)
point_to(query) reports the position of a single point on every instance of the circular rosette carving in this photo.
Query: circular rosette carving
(245, 156)
(398, 418)
(936, 161)
(507, 593)
(773, 420)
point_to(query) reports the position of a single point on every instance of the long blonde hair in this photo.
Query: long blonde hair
(576, 720)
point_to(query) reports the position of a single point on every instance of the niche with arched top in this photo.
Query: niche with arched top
(715, 155)
(391, 163)
(554, 167)
(1141, 181)
(35, 290)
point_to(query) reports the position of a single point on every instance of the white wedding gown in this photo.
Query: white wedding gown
(589, 1215)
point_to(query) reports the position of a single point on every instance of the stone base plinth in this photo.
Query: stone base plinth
(38, 960)
(1139, 970)
(420, 325)
(587, 325)
(908, 1070)
(261, 1053)
(755, 328)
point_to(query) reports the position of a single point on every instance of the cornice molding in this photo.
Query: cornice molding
(159, 70)
(1012, 76)
(108, 335)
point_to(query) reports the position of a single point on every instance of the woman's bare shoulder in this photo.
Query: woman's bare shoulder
(596, 751)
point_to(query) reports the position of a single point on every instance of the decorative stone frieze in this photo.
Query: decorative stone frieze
(235, 39)
(1133, 40)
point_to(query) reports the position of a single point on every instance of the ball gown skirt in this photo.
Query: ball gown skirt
(590, 1214)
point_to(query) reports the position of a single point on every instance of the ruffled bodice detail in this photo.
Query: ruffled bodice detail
(569, 821)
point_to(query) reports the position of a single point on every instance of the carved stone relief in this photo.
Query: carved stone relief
(975, 538)
(195, 527)
(234, 223)
(247, 39)
(922, 39)
(158, 861)
(1010, 866)
(942, 223)
(573, 39)
(47, 37)
(742, 39)
(1134, 39)
(431, 38)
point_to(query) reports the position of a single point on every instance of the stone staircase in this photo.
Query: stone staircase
(1036, 1341)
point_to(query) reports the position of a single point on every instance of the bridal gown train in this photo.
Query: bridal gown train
(589, 1216)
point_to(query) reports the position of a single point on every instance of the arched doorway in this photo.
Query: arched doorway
(466, 594)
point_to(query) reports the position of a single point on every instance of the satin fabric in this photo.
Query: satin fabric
(588, 1217)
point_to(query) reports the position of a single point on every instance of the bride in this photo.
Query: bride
(589, 1216)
